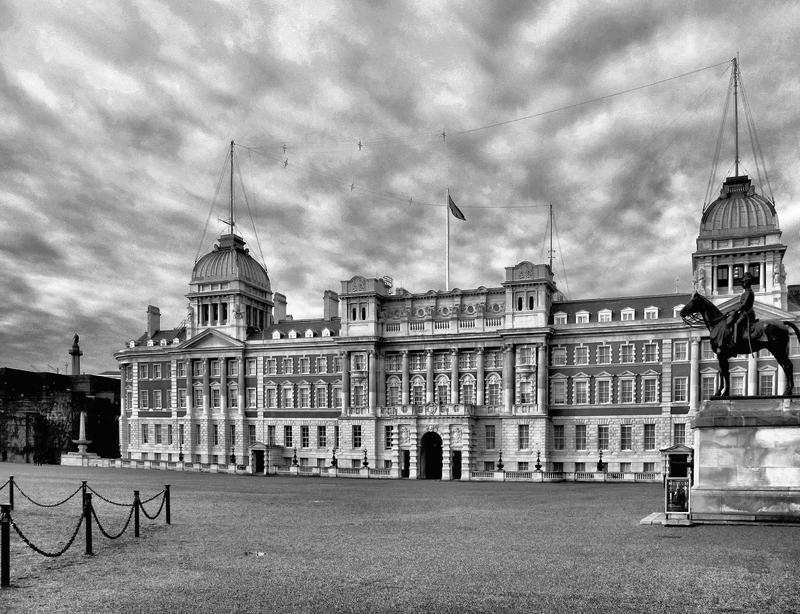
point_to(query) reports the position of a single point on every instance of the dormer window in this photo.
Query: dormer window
(326, 332)
(276, 334)
(559, 318)
(309, 333)
(292, 334)
(163, 343)
(676, 311)
(629, 313)
(582, 317)
(604, 315)
(651, 313)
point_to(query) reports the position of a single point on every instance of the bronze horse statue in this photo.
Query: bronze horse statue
(772, 335)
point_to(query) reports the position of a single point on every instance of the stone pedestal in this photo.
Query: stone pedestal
(747, 460)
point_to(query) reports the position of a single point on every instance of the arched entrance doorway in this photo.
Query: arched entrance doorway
(431, 456)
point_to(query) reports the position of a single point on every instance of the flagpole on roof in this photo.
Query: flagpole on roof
(447, 241)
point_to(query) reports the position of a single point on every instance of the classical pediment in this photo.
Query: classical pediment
(211, 339)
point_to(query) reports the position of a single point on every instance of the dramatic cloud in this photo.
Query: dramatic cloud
(116, 117)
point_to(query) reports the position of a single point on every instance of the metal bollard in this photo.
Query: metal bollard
(166, 502)
(136, 504)
(11, 491)
(87, 518)
(5, 551)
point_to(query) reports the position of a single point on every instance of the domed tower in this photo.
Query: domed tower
(739, 232)
(229, 291)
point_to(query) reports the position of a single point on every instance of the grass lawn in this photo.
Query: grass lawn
(339, 545)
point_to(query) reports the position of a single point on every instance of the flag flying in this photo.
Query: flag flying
(457, 213)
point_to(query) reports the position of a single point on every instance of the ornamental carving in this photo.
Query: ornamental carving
(357, 284)
(457, 434)
(404, 434)
(432, 428)
(525, 271)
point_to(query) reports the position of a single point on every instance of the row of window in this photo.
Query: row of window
(606, 390)
(626, 432)
(606, 315)
(625, 353)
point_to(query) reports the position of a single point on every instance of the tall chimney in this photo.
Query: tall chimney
(279, 306)
(76, 354)
(153, 320)
(330, 305)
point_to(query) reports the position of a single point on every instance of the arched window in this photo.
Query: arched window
(530, 301)
(442, 390)
(393, 390)
(468, 389)
(519, 303)
(363, 313)
(493, 396)
(418, 390)
(353, 312)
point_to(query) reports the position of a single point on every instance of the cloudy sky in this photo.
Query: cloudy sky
(116, 119)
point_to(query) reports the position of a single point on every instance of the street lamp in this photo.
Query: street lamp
(294, 457)
(233, 455)
(334, 462)
(500, 462)
(601, 466)
(365, 462)
(538, 464)
(180, 451)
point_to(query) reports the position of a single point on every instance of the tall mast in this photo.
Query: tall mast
(232, 196)
(550, 252)
(736, 109)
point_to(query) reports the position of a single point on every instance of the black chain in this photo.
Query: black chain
(103, 531)
(161, 507)
(46, 504)
(155, 496)
(102, 498)
(43, 552)
(4, 485)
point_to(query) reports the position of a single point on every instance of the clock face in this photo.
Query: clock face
(237, 314)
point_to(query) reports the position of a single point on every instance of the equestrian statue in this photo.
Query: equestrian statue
(739, 332)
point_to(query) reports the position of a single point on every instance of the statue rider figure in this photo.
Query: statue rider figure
(744, 317)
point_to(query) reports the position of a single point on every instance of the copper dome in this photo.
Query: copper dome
(230, 261)
(738, 210)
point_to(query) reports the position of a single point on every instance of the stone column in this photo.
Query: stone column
(412, 463)
(752, 375)
(429, 376)
(466, 451)
(541, 378)
(479, 378)
(371, 382)
(206, 386)
(508, 379)
(395, 454)
(694, 373)
(345, 356)
(730, 279)
(242, 390)
(454, 376)
(446, 473)
(381, 379)
(223, 386)
(404, 386)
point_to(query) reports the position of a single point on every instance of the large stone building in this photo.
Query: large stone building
(446, 384)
